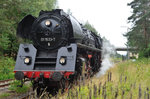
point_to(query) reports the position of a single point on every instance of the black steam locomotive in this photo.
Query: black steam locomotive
(62, 50)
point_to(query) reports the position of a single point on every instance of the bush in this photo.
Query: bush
(145, 52)
(6, 68)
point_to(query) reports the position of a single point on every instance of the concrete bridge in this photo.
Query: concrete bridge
(129, 51)
(126, 49)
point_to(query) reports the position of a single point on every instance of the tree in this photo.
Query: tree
(139, 34)
(90, 27)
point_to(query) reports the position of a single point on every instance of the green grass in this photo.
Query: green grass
(129, 79)
(14, 87)
(6, 68)
(4, 95)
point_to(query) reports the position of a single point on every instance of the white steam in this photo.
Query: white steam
(108, 50)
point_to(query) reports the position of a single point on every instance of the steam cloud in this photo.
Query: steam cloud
(108, 50)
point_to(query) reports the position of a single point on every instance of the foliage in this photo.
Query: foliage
(6, 68)
(90, 27)
(11, 12)
(145, 52)
(139, 35)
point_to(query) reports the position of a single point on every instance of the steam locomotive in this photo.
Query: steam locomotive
(61, 50)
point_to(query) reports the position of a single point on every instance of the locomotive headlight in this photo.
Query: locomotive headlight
(47, 23)
(27, 60)
(62, 60)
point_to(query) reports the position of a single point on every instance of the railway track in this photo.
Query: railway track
(4, 84)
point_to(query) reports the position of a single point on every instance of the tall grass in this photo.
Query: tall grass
(126, 80)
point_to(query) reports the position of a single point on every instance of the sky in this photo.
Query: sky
(109, 17)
